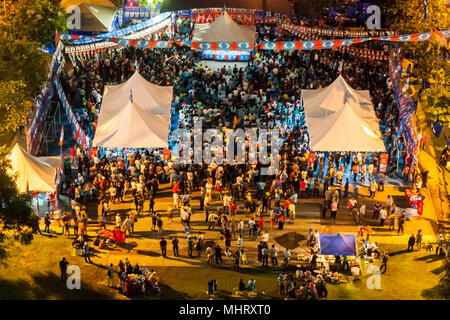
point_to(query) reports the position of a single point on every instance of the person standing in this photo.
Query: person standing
(265, 256)
(373, 188)
(86, 253)
(419, 240)
(163, 245)
(190, 245)
(383, 216)
(175, 246)
(411, 243)
(274, 255)
(286, 255)
(334, 208)
(401, 222)
(47, 223)
(392, 217)
(63, 267)
(110, 276)
(218, 254)
(324, 208)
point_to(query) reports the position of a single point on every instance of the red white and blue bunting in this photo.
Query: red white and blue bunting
(263, 45)
(80, 136)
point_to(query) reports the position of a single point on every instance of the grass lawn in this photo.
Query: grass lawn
(32, 272)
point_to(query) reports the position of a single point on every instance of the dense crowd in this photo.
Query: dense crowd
(264, 94)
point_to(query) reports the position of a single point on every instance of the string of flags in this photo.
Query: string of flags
(80, 136)
(406, 107)
(263, 45)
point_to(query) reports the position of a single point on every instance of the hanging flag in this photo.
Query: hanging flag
(97, 62)
(131, 96)
(437, 128)
(61, 138)
(425, 9)
(28, 187)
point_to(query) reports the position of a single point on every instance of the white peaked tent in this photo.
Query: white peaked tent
(39, 172)
(340, 118)
(224, 29)
(141, 123)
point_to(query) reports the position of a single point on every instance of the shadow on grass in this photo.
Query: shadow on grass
(429, 258)
(47, 286)
(442, 290)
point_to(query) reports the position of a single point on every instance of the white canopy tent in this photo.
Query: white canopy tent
(38, 172)
(134, 114)
(224, 29)
(340, 118)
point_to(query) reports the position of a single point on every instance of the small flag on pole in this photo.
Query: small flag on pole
(131, 96)
(61, 138)
(425, 8)
(136, 65)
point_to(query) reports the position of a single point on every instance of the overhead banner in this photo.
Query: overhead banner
(208, 16)
(384, 159)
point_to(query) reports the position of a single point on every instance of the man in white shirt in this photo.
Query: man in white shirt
(273, 252)
(383, 216)
(286, 255)
(251, 227)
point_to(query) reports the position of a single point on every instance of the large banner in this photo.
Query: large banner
(209, 16)
(384, 159)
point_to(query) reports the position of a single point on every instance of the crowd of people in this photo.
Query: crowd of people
(266, 95)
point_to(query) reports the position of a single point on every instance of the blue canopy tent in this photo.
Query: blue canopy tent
(337, 244)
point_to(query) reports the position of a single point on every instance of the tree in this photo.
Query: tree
(408, 18)
(37, 20)
(15, 207)
(15, 103)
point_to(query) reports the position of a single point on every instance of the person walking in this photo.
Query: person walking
(159, 223)
(401, 222)
(163, 245)
(175, 246)
(384, 261)
(411, 243)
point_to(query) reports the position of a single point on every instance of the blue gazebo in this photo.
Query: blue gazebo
(338, 244)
